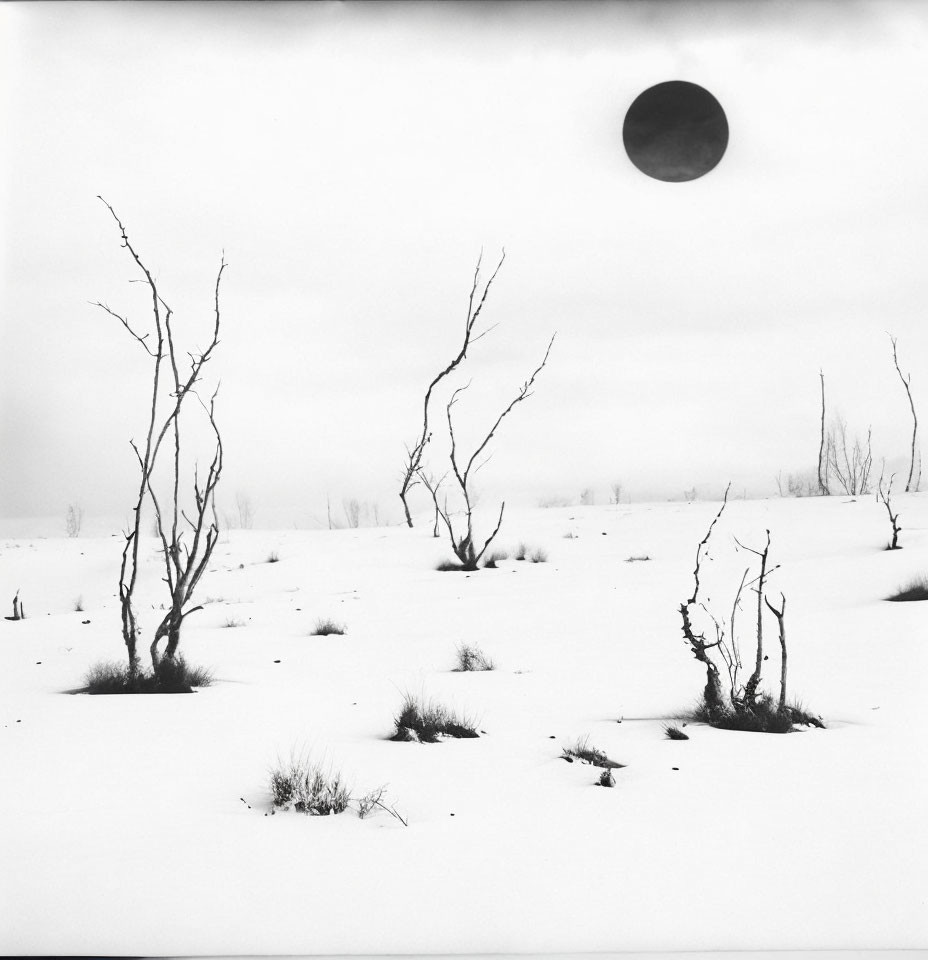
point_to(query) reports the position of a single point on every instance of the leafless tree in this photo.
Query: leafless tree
(713, 697)
(352, 510)
(415, 452)
(433, 486)
(822, 457)
(245, 510)
(750, 688)
(617, 493)
(781, 622)
(851, 466)
(463, 544)
(74, 519)
(587, 497)
(18, 612)
(184, 561)
(907, 383)
(885, 498)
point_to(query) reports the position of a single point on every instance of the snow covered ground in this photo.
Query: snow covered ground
(140, 824)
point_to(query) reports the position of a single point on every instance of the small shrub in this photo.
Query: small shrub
(471, 659)
(447, 566)
(426, 722)
(606, 779)
(637, 559)
(672, 732)
(171, 676)
(493, 559)
(79, 605)
(570, 535)
(273, 557)
(325, 627)
(232, 622)
(582, 750)
(915, 589)
(308, 789)
(764, 717)
(539, 556)
(521, 552)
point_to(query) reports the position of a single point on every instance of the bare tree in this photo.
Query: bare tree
(750, 688)
(433, 486)
(245, 510)
(587, 497)
(463, 544)
(851, 466)
(415, 452)
(822, 458)
(352, 510)
(781, 622)
(886, 499)
(74, 519)
(713, 697)
(907, 383)
(617, 493)
(184, 562)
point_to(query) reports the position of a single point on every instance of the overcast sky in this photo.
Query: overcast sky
(352, 161)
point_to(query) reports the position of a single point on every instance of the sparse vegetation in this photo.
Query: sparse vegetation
(637, 559)
(606, 779)
(672, 732)
(491, 560)
(429, 721)
(472, 659)
(765, 716)
(570, 535)
(79, 605)
(539, 555)
(232, 622)
(449, 566)
(521, 553)
(581, 750)
(307, 788)
(170, 676)
(273, 557)
(915, 589)
(326, 626)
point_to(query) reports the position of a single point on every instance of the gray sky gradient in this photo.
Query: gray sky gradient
(352, 160)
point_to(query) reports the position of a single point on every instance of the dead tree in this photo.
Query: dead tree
(713, 698)
(822, 458)
(74, 520)
(184, 563)
(433, 486)
(851, 466)
(781, 622)
(907, 383)
(415, 452)
(750, 688)
(463, 544)
(886, 499)
(18, 612)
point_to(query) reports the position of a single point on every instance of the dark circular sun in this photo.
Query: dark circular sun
(675, 131)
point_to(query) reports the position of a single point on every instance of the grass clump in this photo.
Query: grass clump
(273, 557)
(428, 721)
(471, 659)
(232, 622)
(539, 556)
(522, 552)
(326, 626)
(672, 732)
(79, 604)
(582, 751)
(449, 566)
(637, 559)
(171, 676)
(492, 559)
(765, 716)
(916, 589)
(304, 786)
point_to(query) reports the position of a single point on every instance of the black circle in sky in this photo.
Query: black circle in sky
(675, 131)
